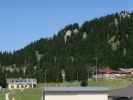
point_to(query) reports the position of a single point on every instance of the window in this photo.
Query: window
(30, 85)
(22, 86)
(17, 86)
(12, 86)
(25, 86)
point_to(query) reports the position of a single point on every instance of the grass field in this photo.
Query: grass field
(2, 96)
(28, 94)
(112, 84)
(36, 93)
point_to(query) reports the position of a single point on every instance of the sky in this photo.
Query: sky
(24, 21)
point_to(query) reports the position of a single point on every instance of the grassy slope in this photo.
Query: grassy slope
(35, 94)
(28, 94)
(113, 84)
(2, 96)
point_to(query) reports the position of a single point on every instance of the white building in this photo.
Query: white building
(75, 93)
(21, 83)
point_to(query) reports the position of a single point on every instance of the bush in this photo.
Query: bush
(84, 83)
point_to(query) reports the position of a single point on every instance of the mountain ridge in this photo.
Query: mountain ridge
(75, 48)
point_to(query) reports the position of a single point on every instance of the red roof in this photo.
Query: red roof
(106, 71)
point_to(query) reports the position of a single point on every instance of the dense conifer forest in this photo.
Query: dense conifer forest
(75, 50)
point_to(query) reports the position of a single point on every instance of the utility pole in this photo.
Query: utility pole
(96, 68)
(63, 75)
(45, 74)
(77, 76)
(88, 74)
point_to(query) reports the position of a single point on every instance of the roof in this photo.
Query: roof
(105, 70)
(21, 81)
(128, 70)
(73, 90)
(124, 92)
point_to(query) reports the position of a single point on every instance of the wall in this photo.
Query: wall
(77, 97)
(14, 86)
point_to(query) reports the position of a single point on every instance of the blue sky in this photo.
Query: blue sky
(23, 21)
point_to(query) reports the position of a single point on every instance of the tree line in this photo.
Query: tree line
(75, 50)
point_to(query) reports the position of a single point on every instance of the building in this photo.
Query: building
(122, 94)
(75, 93)
(108, 73)
(105, 73)
(127, 70)
(21, 83)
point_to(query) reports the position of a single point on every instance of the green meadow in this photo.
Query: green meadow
(28, 94)
(2, 96)
(36, 93)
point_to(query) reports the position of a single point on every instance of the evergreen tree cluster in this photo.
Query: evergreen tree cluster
(75, 50)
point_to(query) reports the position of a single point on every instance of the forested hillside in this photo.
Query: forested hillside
(76, 49)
